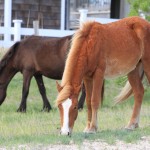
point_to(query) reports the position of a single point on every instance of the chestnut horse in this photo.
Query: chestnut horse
(101, 51)
(35, 56)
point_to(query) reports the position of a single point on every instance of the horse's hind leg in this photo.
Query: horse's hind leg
(27, 75)
(138, 91)
(146, 65)
(40, 83)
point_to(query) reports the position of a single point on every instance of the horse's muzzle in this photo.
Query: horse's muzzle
(65, 132)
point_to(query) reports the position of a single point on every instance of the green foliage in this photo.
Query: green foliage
(140, 6)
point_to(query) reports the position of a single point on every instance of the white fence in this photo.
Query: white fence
(17, 31)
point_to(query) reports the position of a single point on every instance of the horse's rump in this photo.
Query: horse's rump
(123, 43)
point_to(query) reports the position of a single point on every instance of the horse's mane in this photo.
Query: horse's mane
(8, 55)
(73, 55)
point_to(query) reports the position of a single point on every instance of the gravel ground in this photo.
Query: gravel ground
(143, 144)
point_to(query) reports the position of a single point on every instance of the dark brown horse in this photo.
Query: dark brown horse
(34, 56)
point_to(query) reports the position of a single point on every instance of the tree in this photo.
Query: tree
(138, 7)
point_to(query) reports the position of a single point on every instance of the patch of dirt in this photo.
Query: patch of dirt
(143, 144)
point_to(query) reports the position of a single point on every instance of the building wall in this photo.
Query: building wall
(124, 8)
(46, 11)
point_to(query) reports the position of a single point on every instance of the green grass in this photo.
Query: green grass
(36, 127)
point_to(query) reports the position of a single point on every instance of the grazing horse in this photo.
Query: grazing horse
(101, 51)
(35, 56)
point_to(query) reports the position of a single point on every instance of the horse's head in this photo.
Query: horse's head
(68, 114)
(68, 108)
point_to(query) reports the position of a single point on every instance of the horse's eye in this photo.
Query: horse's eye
(75, 107)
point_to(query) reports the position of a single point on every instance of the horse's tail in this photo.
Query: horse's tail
(127, 89)
(9, 54)
(125, 93)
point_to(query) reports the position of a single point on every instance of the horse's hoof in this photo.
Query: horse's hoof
(128, 129)
(21, 110)
(90, 130)
(80, 109)
(46, 109)
(85, 130)
(131, 127)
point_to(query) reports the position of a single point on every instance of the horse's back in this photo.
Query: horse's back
(43, 55)
(119, 45)
(124, 45)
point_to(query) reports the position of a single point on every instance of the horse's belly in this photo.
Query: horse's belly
(110, 73)
(116, 68)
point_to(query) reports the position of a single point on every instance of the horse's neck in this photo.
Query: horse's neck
(75, 63)
(79, 71)
(6, 74)
(75, 75)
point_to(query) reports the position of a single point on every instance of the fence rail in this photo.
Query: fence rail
(15, 33)
(29, 31)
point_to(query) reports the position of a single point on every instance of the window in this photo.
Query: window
(96, 8)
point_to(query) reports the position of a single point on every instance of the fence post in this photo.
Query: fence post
(17, 30)
(83, 15)
(141, 14)
(7, 19)
(36, 27)
(62, 22)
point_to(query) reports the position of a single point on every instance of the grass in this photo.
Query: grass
(36, 127)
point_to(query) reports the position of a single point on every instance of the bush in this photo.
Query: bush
(139, 7)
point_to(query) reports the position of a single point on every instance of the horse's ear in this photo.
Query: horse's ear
(59, 88)
(77, 89)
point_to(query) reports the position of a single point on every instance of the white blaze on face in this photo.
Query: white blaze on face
(66, 106)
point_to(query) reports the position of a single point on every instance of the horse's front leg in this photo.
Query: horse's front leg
(95, 99)
(25, 90)
(88, 82)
